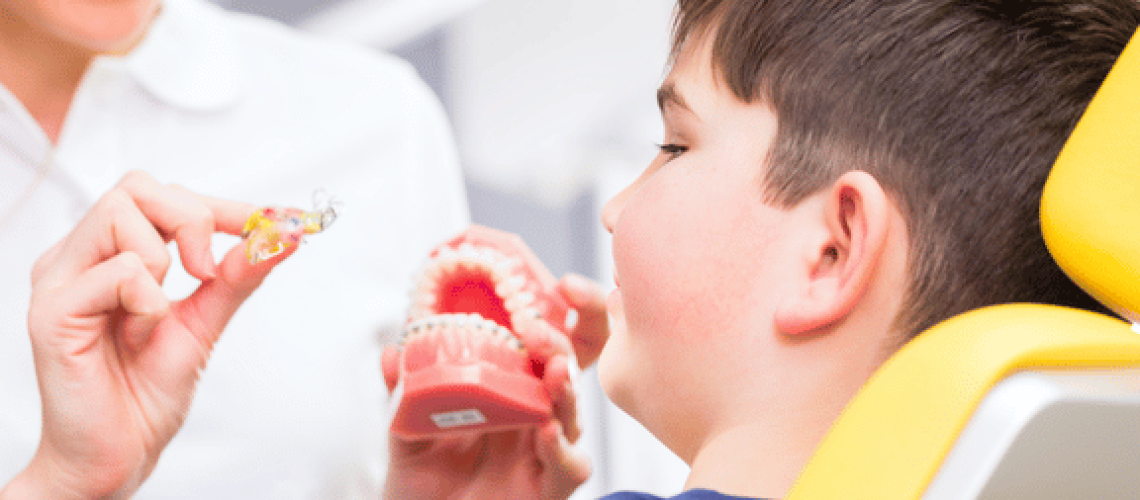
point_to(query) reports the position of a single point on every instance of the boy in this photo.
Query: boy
(836, 177)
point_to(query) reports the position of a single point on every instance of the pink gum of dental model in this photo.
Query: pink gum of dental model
(463, 366)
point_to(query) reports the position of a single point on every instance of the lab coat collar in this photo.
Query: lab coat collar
(189, 59)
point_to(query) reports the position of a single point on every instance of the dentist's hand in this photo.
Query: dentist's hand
(116, 361)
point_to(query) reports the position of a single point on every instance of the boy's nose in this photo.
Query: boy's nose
(612, 211)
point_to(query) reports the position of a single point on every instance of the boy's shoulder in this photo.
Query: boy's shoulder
(695, 494)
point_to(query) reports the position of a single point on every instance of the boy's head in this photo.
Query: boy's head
(958, 107)
(838, 175)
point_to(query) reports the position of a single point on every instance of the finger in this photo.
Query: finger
(593, 329)
(564, 466)
(542, 341)
(400, 450)
(207, 311)
(46, 261)
(178, 214)
(229, 216)
(120, 283)
(113, 225)
(390, 365)
(188, 217)
(559, 380)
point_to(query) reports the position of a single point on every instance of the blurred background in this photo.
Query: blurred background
(553, 106)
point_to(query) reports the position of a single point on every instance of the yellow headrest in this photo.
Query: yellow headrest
(892, 438)
(1090, 211)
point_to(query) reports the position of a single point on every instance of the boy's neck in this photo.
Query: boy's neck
(758, 450)
(764, 468)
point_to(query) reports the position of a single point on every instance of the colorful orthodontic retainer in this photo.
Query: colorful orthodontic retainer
(272, 230)
(462, 366)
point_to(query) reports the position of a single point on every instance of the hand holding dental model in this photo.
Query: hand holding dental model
(464, 363)
(117, 362)
(487, 365)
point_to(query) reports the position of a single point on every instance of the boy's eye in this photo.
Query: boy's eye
(672, 150)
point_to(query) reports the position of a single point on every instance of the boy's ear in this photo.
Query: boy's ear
(842, 259)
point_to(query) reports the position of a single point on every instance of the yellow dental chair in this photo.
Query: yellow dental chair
(1020, 401)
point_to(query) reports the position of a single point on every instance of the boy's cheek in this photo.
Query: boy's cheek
(646, 273)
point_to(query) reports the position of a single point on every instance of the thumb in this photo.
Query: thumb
(592, 331)
(207, 311)
(564, 466)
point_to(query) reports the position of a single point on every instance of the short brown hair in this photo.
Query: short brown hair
(958, 107)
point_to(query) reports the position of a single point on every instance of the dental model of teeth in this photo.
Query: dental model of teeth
(463, 365)
(467, 324)
(482, 280)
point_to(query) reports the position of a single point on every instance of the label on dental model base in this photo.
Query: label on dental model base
(460, 418)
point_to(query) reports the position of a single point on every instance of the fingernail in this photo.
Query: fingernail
(211, 266)
(574, 380)
(572, 367)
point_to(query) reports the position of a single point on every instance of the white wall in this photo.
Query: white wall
(543, 90)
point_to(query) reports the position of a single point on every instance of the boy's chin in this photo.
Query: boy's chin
(614, 371)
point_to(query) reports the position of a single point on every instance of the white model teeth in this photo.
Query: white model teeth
(505, 289)
(524, 316)
(508, 266)
(510, 286)
(464, 323)
(506, 275)
(518, 302)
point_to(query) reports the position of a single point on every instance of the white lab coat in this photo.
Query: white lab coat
(291, 405)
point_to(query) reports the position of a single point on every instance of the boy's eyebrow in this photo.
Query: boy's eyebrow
(669, 95)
